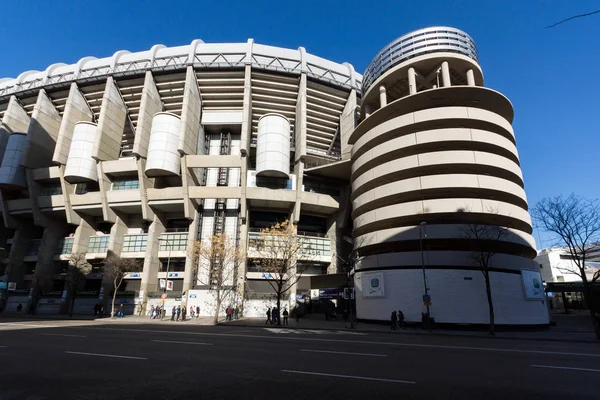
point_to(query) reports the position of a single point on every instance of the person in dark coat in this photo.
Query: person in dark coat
(173, 313)
(178, 313)
(394, 320)
(268, 321)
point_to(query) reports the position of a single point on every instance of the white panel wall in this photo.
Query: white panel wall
(163, 157)
(11, 171)
(80, 164)
(273, 146)
(454, 299)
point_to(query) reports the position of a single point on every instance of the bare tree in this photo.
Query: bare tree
(218, 260)
(115, 269)
(575, 224)
(483, 239)
(78, 269)
(279, 247)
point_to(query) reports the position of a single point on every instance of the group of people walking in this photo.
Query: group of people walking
(397, 320)
(231, 313)
(274, 318)
(180, 313)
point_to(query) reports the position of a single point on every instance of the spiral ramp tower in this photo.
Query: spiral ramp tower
(434, 157)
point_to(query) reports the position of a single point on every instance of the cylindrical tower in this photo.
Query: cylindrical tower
(434, 158)
(163, 157)
(12, 174)
(81, 167)
(273, 146)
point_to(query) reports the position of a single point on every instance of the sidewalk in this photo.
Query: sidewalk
(566, 330)
(128, 319)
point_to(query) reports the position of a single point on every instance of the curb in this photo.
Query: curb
(423, 333)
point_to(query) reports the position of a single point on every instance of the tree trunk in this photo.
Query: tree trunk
(217, 309)
(278, 307)
(488, 290)
(72, 305)
(114, 298)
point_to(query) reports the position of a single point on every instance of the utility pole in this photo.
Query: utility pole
(164, 312)
(426, 300)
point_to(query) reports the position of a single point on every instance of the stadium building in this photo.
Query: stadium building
(141, 154)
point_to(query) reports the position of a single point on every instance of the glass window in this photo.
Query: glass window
(126, 184)
(98, 244)
(134, 243)
(175, 242)
(65, 246)
(83, 188)
(50, 190)
(33, 247)
(175, 264)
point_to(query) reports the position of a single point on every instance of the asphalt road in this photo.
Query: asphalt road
(108, 360)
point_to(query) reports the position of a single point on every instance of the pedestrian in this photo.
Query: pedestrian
(235, 313)
(122, 310)
(173, 312)
(297, 312)
(268, 321)
(345, 315)
(19, 307)
(191, 312)
(96, 309)
(285, 316)
(197, 312)
(183, 313)
(400, 319)
(394, 320)
(152, 312)
(158, 311)
(101, 309)
(178, 313)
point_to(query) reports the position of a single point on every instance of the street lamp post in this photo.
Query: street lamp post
(422, 227)
(167, 275)
(350, 266)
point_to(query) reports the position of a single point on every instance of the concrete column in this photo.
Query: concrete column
(347, 124)
(412, 81)
(247, 112)
(45, 262)
(76, 110)
(151, 262)
(15, 119)
(241, 283)
(470, 77)
(68, 189)
(301, 115)
(104, 183)
(299, 172)
(82, 237)
(446, 74)
(191, 113)
(111, 123)
(150, 104)
(382, 97)
(42, 133)
(368, 110)
(145, 183)
(188, 274)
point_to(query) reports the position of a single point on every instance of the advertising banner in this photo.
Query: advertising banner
(532, 284)
(372, 285)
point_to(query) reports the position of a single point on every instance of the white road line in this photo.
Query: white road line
(344, 352)
(31, 325)
(274, 337)
(172, 341)
(60, 334)
(3, 347)
(104, 355)
(364, 378)
(569, 368)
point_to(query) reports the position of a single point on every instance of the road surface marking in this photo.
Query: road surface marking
(570, 368)
(60, 334)
(431, 346)
(31, 325)
(344, 352)
(104, 355)
(364, 378)
(311, 331)
(172, 341)
(3, 347)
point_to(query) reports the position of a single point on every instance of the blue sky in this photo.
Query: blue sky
(548, 74)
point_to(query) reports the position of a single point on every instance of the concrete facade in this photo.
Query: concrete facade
(423, 141)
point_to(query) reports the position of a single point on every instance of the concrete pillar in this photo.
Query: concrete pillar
(76, 110)
(42, 133)
(446, 74)
(188, 275)
(105, 185)
(45, 262)
(111, 123)
(247, 112)
(150, 104)
(15, 119)
(382, 97)
(18, 250)
(151, 262)
(368, 110)
(145, 183)
(412, 81)
(347, 124)
(300, 128)
(470, 77)
(191, 113)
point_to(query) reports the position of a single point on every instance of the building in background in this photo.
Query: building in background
(142, 153)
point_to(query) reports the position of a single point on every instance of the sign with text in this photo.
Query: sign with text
(12, 286)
